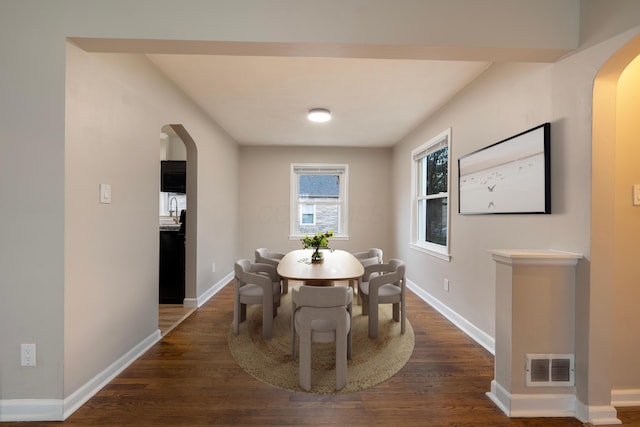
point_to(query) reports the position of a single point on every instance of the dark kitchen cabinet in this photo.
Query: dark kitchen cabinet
(173, 176)
(171, 267)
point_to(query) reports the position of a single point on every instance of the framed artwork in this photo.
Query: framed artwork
(512, 176)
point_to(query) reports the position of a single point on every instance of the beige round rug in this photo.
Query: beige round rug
(270, 361)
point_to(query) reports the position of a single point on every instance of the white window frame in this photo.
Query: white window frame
(434, 144)
(319, 168)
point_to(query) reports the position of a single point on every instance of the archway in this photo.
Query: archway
(614, 227)
(178, 137)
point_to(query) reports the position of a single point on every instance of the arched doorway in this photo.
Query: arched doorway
(615, 227)
(178, 229)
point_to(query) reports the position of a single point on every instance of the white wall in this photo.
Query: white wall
(116, 107)
(264, 201)
(508, 99)
(505, 100)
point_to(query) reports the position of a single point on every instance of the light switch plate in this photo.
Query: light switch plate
(105, 193)
(636, 194)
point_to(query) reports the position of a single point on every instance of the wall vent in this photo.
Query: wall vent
(550, 370)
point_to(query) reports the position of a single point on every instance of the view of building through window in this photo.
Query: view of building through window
(318, 199)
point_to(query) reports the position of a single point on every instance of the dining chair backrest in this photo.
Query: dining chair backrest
(256, 283)
(371, 253)
(264, 255)
(322, 314)
(383, 284)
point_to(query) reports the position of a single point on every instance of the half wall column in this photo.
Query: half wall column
(535, 304)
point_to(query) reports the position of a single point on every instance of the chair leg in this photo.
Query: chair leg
(396, 312)
(365, 304)
(293, 343)
(267, 320)
(403, 315)
(236, 318)
(304, 370)
(285, 285)
(353, 284)
(341, 360)
(373, 322)
(239, 315)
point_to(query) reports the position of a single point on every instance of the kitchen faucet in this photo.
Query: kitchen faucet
(172, 211)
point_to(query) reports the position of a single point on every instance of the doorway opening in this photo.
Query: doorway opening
(176, 283)
(614, 228)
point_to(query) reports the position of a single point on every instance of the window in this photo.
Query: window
(318, 199)
(307, 214)
(430, 212)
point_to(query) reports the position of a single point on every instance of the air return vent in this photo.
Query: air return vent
(550, 370)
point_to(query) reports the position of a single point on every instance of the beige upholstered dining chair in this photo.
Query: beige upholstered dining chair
(371, 253)
(383, 284)
(265, 256)
(321, 314)
(256, 283)
(372, 256)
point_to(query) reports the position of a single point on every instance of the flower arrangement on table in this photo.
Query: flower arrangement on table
(317, 242)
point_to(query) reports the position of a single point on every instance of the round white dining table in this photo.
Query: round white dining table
(337, 265)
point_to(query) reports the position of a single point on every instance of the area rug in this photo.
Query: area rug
(373, 360)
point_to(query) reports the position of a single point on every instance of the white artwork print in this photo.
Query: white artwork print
(508, 177)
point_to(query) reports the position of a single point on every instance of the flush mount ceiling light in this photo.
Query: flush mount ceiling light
(319, 115)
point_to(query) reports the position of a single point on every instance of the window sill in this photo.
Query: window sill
(439, 255)
(334, 237)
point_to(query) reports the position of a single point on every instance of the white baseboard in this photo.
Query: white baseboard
(550, 405)
(58, 409)
(597, 415)
(624, 397)
(478, 335)
(87, 391)
(532, 405)
(31, 410)
(61, 409)
(206, 296)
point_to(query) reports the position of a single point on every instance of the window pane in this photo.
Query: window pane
(422, 219)
(326, 218)
(308, 214)
(319, 186)
(436, 165)
(318, 203)
(430, 219)
(434, 217)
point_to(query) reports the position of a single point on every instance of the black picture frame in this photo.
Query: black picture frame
(512, 176)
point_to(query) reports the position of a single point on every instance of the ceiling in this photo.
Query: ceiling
(263, 100)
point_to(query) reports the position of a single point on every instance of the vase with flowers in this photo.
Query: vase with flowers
(317, 242)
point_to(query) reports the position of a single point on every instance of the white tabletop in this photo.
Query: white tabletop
(337, 265)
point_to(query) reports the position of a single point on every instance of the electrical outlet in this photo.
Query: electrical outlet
(28, 355)
(213, 267)
(446, 285)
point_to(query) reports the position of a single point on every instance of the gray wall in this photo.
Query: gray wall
(264, 201)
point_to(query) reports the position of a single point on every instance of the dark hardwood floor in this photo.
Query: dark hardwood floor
(191, 379)
(171, 315)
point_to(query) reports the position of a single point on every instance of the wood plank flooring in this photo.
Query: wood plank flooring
(191, 379)
(171, 315)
